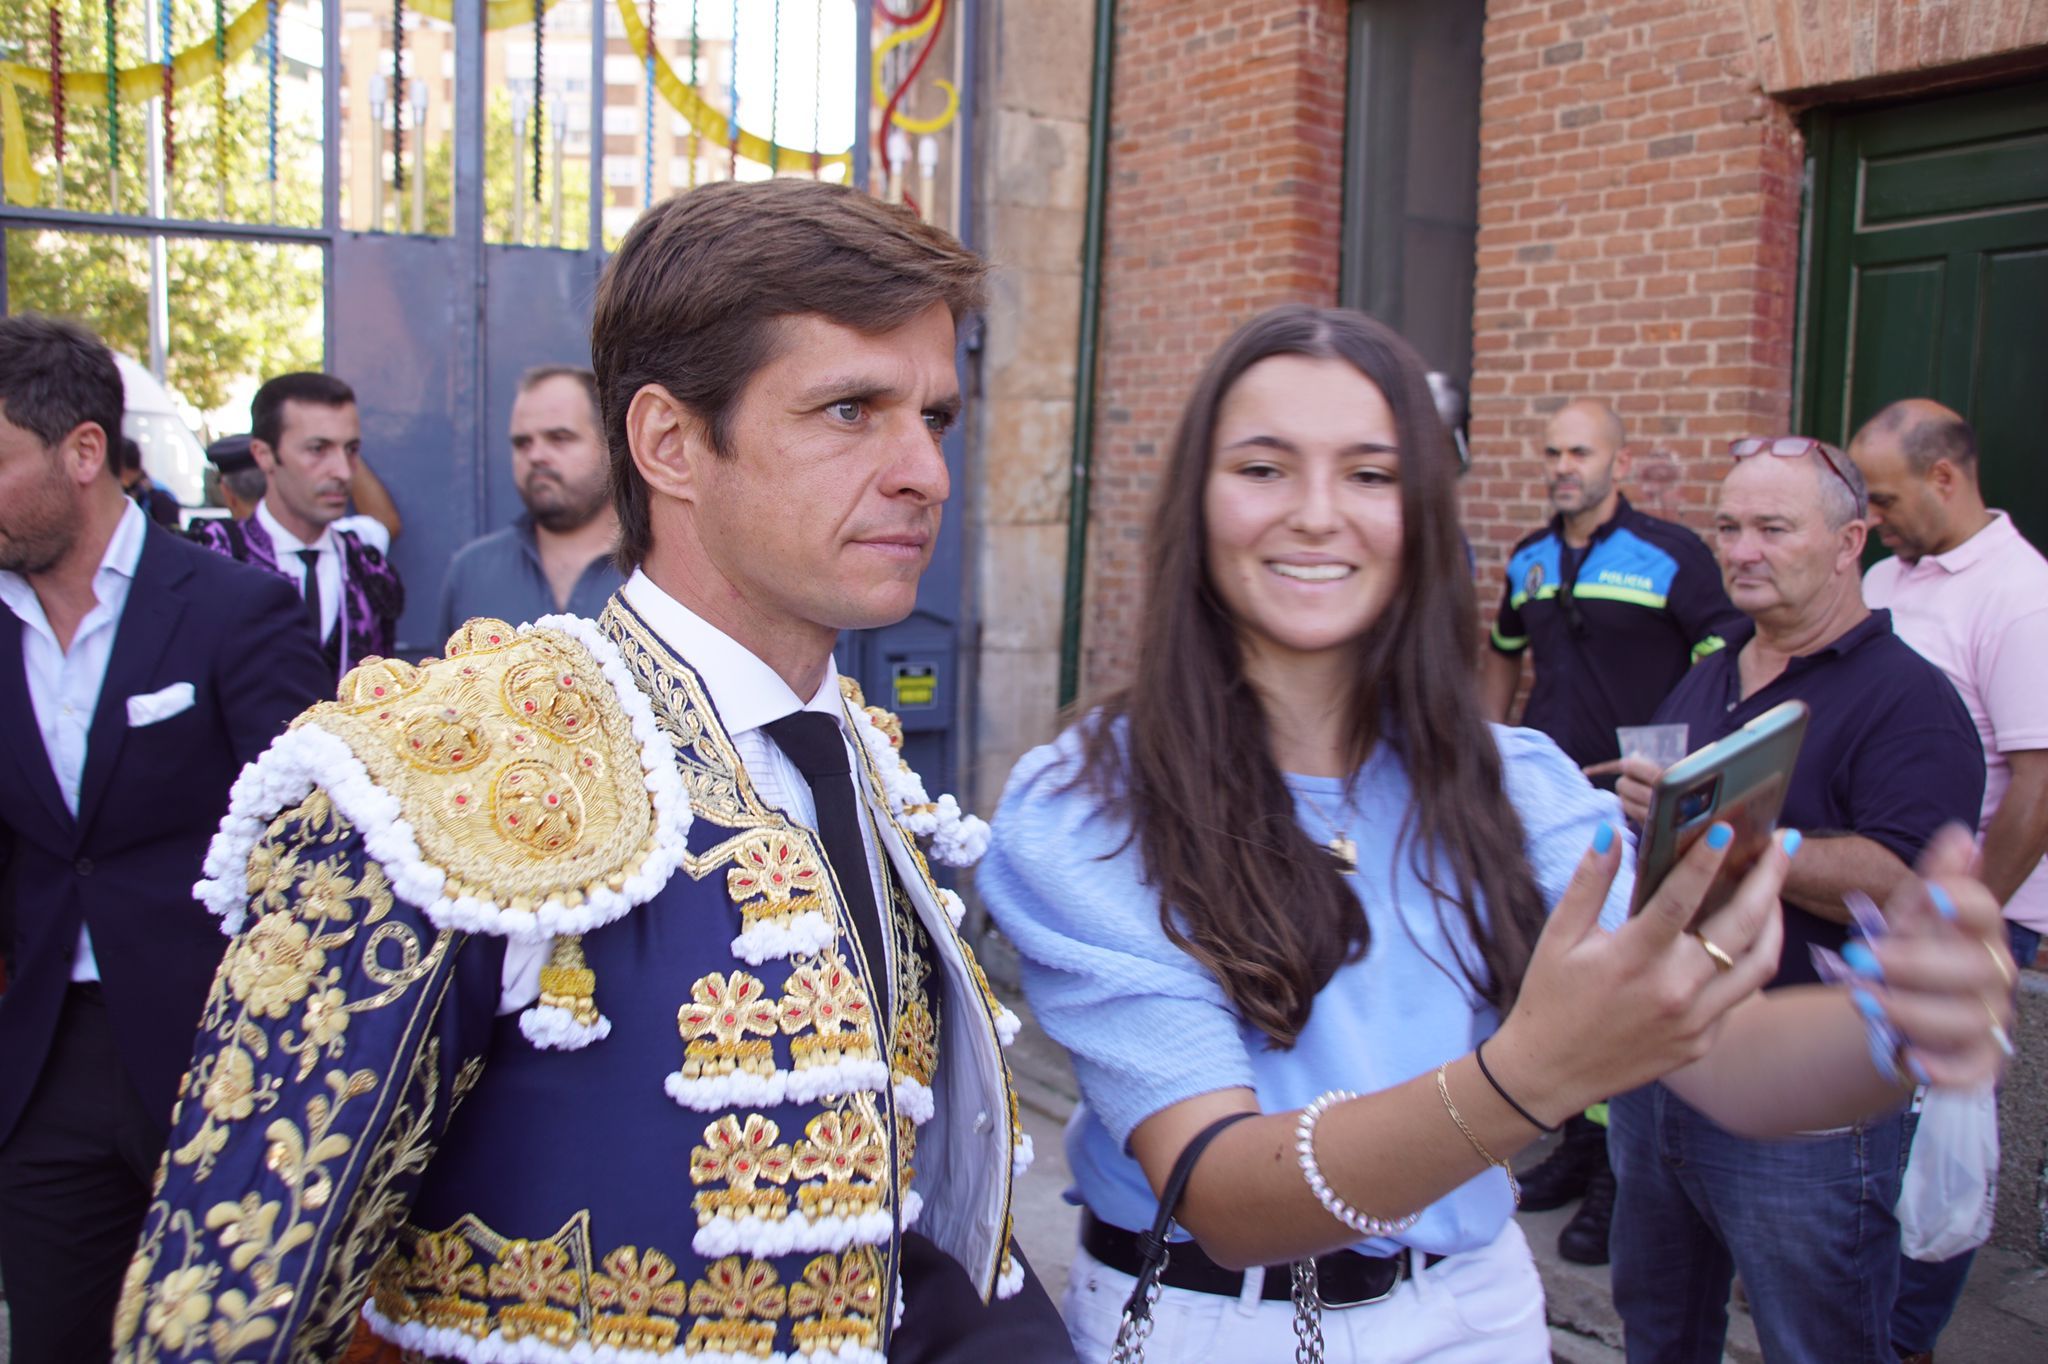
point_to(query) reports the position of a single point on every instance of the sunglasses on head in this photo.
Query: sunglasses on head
(1792, 447)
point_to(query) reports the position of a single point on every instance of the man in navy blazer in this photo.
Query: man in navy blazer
(138, 673)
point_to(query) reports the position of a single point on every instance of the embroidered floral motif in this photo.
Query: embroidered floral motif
(639, 1300)
(740, 1156)
(774, 864)
(826, 998)
(845, 1152)
(838, 1302)
(540, 1275)
(746, 1298)
(724, 1012)
(273, 965)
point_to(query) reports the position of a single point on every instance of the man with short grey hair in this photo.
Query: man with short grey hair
(1889, 758)
(557, 557)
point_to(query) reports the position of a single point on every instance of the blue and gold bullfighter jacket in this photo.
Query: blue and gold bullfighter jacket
(542, 1037)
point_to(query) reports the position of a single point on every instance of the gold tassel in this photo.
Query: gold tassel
(567, 982)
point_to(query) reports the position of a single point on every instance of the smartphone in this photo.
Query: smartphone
(1740, 779)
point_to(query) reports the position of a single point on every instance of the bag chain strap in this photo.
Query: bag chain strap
(1308, 1314)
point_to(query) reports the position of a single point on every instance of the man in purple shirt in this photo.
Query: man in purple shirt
(1890, 756)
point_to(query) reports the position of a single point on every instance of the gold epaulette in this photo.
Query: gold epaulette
(512, 759)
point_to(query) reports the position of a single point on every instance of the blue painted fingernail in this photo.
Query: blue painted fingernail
(1790, 841)
(1863, 960)
(1603, 838)
(1720, 836)
(1941, 900)
(1867, 1005)
(1881, 1053)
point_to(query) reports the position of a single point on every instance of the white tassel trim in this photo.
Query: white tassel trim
(956, 840)
(1008, 1025)
(955, 907)
(711, 1093)
(548, 1026)
(897, 1320)
(1011, 1282)
(1021, 1155)
(913, 1208)
(914, 1100)
(795, 936)
(795, 1234)
(443, 1342)
(302, 758)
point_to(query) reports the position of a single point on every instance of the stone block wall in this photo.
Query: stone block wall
(1033, 131)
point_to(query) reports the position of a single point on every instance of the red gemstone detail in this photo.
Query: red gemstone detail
(531, 708)
(415, 743)
(568, 681)
(570, 723)
(554, 799)
(462, 800)
(455, 757)
(377, 691)
(494, 639)
(511, 819)
(383, 715)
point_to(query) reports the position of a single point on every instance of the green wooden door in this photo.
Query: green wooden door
(1929, 276)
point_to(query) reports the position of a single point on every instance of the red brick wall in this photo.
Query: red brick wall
(1638, 241)
(1226, 138)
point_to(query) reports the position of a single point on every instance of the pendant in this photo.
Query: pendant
(1345, 850)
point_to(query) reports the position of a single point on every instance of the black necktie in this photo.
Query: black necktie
(311, 559)
(812, 741)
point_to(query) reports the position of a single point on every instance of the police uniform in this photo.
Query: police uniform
(709, 1127)
(1614, 625)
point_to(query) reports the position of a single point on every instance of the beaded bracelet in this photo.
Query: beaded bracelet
(1305, 1149)
(1443, 1091)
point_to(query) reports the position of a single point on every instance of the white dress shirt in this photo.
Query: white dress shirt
(330, 565)
(64, 685)
(747, 694)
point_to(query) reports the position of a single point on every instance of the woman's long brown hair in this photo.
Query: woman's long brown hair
(1183, 754)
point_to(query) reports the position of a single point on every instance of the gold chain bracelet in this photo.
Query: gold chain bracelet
(1443, 1091)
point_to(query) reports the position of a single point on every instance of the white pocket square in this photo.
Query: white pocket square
(159, 705)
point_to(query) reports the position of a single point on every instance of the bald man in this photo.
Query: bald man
(1968, 592)
(1615, 605)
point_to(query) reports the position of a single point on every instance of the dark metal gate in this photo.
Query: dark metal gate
(460, 167)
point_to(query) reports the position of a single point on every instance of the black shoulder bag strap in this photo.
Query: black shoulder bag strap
(1137, 1322)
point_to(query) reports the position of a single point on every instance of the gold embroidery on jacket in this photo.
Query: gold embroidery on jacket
(838, 1301)
(737, 1304)
(740, 1155)
(826, 1011)
(841, 1162)
(518, 748)
(724, 1016)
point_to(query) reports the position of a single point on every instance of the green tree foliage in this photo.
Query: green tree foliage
(237, 310)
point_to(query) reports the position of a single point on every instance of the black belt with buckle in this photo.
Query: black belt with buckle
(1344, 1278)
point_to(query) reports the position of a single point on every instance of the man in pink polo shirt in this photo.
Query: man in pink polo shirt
(1970, 594)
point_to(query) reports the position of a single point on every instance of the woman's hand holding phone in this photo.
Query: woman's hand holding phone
(1600, 1013)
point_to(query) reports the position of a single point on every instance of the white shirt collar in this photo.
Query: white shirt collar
(286, 542)
(746, 692)
(122, 557)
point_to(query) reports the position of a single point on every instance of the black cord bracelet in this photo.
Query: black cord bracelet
(1479, 1055)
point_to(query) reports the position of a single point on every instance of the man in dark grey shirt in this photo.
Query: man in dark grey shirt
(557, 557)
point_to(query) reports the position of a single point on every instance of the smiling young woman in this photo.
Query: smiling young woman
(1289, 877)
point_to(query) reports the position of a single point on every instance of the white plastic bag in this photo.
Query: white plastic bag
(1951, 1179)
